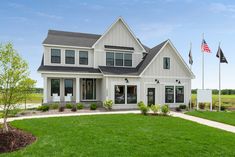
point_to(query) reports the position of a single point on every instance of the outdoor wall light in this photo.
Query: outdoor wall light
(157, 81)
(178, 81)
(127, 81)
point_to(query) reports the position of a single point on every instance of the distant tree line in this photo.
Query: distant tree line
(216, 91)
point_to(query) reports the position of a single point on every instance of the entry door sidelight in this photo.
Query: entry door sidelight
(151, 96)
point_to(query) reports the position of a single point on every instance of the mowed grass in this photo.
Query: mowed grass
(35, 98)
(123, 135)
(227, 100)
(224, 117)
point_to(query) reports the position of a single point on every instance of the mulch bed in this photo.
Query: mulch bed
(14, 139)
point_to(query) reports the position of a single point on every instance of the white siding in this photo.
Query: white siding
(177, 68)
(47, 57)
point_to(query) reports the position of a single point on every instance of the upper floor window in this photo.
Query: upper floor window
(83, 57)
(110, 59)
(128, 60)
(69, 57)
(119, 59)
(166, 63)
(55, 55)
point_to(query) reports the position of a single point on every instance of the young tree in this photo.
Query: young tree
(27, 87)
(13, 73)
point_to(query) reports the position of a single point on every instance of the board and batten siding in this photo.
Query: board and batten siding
(118, 35)
(177, 68)
(47, 57)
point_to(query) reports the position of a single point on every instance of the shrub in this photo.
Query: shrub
(165, 109)
(54, 106)
(61, 109)
(43, 108)
(74, 109)
(202, 106)
(80, 106)
(69, 106)
(108, 104)
(144, 109)
(93, 106)
(178, 109)
(223, 108)
(183, 107)
(155, 108)
(140, 104)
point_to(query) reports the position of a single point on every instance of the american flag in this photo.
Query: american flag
(205, 47)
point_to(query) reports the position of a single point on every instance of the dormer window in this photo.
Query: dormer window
(83, 57)
(55, 56)
(69, 57)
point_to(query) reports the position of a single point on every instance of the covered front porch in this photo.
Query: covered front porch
(72, 89)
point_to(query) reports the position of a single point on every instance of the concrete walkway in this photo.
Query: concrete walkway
(210, 123)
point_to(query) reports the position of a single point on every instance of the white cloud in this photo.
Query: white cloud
(42, 14)
(222, 8)
(155, 30)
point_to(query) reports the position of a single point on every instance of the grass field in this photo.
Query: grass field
(224, 117)
(123, 135)
(227, 100)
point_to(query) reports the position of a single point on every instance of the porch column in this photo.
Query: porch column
(45, 89)
(77, 89)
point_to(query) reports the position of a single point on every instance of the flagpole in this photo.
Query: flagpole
(202, 64)
(219, 78)
(191, 81)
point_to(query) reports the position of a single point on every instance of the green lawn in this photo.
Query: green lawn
(227, 100)
(123, 135)
(224, 117)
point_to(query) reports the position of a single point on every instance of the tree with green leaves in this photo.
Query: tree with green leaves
(13, 75)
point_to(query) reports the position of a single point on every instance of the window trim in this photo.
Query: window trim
(123, 59)
(51, 86)
(86, 58)
(55, 56)
(74, 57)
(164, 63)
(83, 93)
(65, 87)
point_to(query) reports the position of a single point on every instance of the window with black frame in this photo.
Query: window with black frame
(89, 89)
(128, 60)
(119, 94)
(83, 57)
(55, 86)
(179, 93)
(166, 63)
(109, 58)
(119, 59)
(55, 55)
(169, 94)
(131, 94)
(68, 86)
(69, 57)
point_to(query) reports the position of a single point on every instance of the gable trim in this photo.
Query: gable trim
(177, 53)
(121, 19)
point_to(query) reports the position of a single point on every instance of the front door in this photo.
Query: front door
(151, 96)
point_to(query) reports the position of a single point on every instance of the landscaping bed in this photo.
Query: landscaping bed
(14, 139)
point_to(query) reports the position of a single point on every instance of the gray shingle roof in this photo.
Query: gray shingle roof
(68, 69)
(55, 37)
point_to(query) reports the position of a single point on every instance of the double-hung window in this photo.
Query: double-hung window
(68, 86)
(83, 57)
(69, 57)
(118, 59)
(55, 55)
(55, 86)
(109, 58)
(128, 60)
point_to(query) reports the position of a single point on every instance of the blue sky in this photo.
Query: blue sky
(25, 23)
